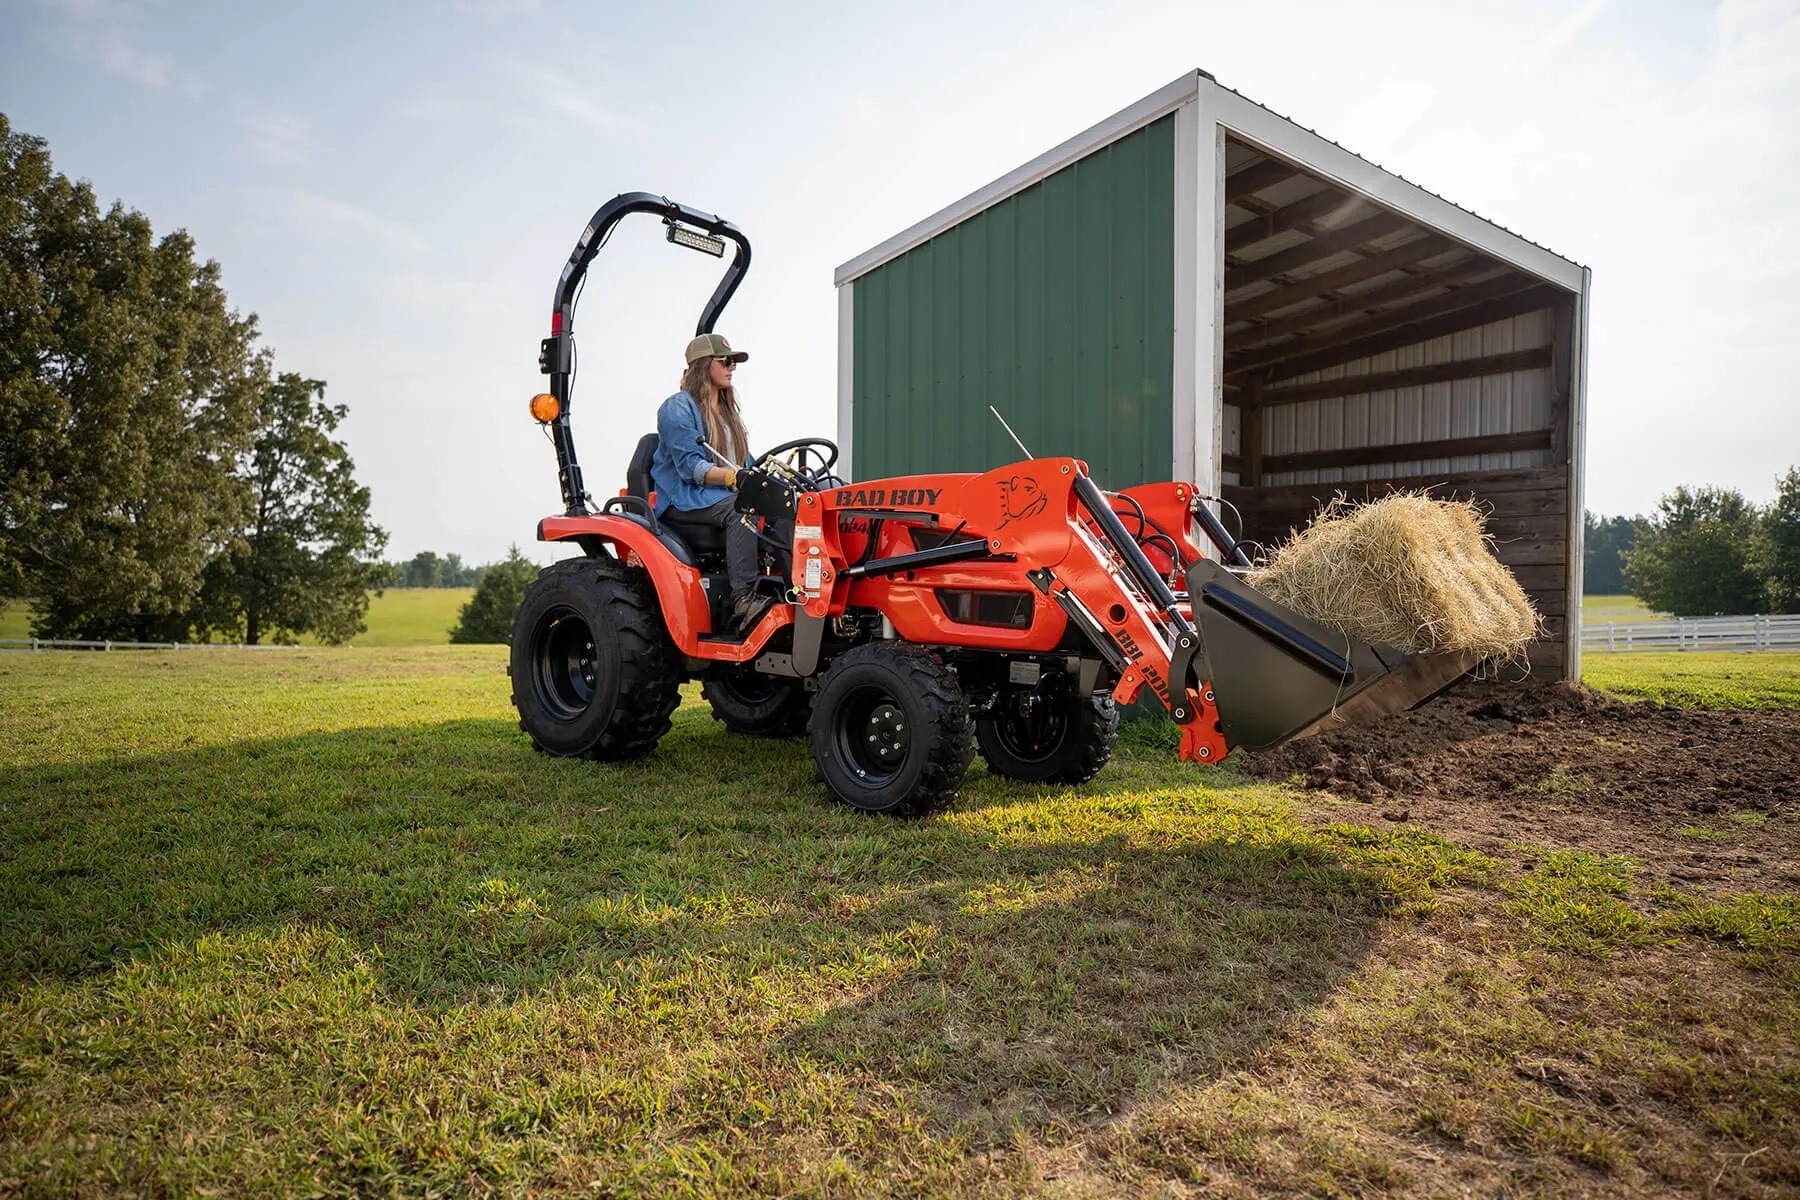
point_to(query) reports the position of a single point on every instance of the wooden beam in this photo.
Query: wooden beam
(1257, 176)
(1530, 300)
(1451, 301)
(1300, 214)
(1544, 504)
(1368, 456)
(1408, 288)
(1357, 385)
(1250, 433)
(1350, 237)
(1254, 206)
(1536, 483)
(1251, 307)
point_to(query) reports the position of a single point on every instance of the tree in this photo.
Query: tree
(1605, 541)
(426, 570)
(127, 394)
(488, 616)
(309, 554)
(1694, 557)
(1778, 545)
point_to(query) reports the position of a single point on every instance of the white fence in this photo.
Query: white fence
(65, 644)
(1693, 633)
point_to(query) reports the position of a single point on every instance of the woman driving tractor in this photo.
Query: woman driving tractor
(692, 481)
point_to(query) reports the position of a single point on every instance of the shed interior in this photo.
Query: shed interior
(1364, 353)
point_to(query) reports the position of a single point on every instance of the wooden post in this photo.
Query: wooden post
(1562, 378)
(1250, 433)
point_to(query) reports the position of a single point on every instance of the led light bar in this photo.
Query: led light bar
(693, 239)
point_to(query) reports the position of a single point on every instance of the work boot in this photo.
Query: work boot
(747, 606)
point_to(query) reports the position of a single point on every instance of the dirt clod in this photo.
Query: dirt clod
(1694, 794)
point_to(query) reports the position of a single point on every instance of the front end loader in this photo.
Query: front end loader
(920, 618)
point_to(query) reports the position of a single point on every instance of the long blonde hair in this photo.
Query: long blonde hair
(718, 409)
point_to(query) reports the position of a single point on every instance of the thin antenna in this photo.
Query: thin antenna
(1009, 431)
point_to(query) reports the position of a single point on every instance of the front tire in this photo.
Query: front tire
(1049, 737)
(594, 674)
(891, 731)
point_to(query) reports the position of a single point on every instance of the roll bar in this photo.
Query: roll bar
(556, 354)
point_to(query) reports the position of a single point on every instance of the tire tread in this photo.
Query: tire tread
(650, 671)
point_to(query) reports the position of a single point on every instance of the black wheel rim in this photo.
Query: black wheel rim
(749, 687)
(873, 735)
(565, 665)
(1033, 727)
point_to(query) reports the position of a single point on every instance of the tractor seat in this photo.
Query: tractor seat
(703, 537)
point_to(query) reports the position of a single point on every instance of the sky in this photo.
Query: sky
(393, 189)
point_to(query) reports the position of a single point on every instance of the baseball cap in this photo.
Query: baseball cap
(711, 345)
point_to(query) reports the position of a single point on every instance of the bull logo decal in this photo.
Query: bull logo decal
(1020, 497)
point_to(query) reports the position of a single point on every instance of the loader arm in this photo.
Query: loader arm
(1232, 667)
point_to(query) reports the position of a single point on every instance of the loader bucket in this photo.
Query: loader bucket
(1277, 675)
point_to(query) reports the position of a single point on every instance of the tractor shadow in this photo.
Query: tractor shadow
(1018, 959)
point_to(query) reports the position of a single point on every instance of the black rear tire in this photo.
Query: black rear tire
(1046, 736)
(747, 701)
(594, 674)
(891, 730)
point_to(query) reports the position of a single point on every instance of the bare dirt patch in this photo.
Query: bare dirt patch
(1707, 797)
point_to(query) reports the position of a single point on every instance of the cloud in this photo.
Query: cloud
(327, 219)
(496, 10)
(101, 31)
(428, 292)
(278, 139)
(1559, 38)
(573, 98)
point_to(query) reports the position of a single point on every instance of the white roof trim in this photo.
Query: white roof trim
(1156, 105)
(1269, 131)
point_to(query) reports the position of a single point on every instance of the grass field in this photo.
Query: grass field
(322, 923)
(1765, 679)
(1616, 608)
(413, 616)
(15, 619)
(397, 617)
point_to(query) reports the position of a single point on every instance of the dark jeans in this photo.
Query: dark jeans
(740, 540)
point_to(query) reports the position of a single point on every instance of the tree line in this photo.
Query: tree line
(1705, 551)
(428, 569)
(159, 480)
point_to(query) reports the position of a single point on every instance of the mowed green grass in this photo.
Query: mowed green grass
(323, 923)
(1708, 679)
(413, 616)
(15, 619)
(1616, 608)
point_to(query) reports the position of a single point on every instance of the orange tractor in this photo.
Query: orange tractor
(919, 618)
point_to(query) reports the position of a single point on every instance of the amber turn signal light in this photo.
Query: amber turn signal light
(545, 408)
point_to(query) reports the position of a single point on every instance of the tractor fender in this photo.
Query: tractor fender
(679, 591)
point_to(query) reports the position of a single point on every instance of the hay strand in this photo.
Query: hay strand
(1407, 570)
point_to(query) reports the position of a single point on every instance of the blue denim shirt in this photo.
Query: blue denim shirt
(678, 470)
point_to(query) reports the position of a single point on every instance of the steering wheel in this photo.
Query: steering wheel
(823, 449)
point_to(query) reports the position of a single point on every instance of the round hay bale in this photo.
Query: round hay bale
(1407, 570)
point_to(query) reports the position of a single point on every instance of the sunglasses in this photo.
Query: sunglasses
(728, 363)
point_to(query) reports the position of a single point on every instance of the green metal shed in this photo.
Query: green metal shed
(1197, 288)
